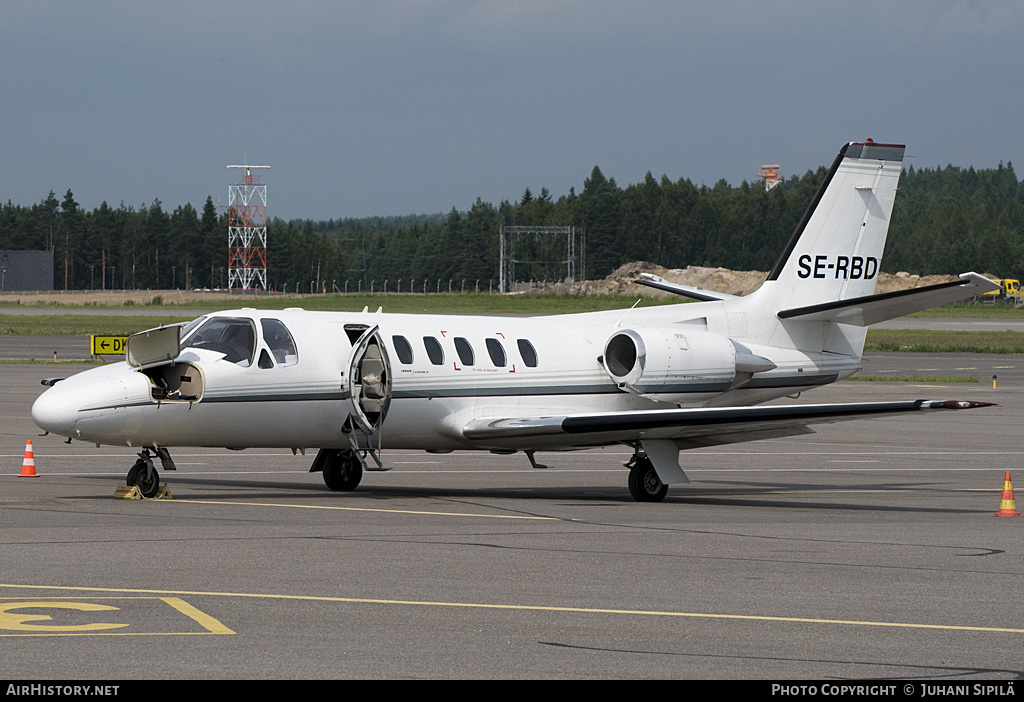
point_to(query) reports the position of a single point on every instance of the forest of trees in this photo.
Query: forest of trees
(946, 220)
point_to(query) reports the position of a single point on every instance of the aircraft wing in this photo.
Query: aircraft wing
(871, 309)
(659, 283)
(687, 428)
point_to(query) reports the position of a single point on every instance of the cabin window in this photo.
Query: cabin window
(527, 352)
(464, 350)
(434, 351)
(279, 341)
(497, 352)
(233, 337)
(403, 349)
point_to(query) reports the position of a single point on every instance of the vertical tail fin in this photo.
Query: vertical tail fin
(834, 254)
(836, 250)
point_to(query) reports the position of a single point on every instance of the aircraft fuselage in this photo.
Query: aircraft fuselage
(450, 369)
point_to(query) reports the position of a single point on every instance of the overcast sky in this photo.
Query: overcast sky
(396, 107)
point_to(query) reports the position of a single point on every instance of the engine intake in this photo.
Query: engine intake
(670, 365)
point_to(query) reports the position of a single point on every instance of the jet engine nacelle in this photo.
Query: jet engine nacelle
(670, 365)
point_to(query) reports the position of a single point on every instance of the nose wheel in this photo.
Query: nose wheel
(143, 475)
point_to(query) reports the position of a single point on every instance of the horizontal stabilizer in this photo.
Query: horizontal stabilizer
(702, 426)
(659, 283)
(871, 309)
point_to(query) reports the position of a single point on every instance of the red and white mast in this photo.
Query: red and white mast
(247, 232)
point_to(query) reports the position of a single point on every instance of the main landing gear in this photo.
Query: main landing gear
(644, 483)
(342, 469)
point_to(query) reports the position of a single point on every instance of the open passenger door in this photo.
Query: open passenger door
(368, 380)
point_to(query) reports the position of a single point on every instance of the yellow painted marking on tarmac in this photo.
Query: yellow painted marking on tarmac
(202, 618)
(537, 608)
(365, 509)
(17, 621)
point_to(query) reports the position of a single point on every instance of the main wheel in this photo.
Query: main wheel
(148, 481)
(343, 471)
(133, 472)
(644, 483)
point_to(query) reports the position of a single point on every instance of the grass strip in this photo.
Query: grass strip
(934, 341)
(81, 325)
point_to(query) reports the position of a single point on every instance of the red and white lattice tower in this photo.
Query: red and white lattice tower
(247, 232)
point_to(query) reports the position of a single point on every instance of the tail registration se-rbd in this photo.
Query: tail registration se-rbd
(658, 379)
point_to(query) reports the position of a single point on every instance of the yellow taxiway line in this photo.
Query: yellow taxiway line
(359, 509)
(530, 608)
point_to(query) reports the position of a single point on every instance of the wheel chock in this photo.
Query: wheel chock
(132, 493)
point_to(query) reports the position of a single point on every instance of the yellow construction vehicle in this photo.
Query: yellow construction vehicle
(1009, 290)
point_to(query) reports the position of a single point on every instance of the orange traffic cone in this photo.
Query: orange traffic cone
(28, 466)
(1007, 507)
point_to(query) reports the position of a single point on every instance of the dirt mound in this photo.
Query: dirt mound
(903, 280)
(714, 279)
(620, 282)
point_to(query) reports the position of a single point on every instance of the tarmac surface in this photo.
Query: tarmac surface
(867, 550)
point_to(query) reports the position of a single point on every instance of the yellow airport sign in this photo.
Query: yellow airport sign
(107, 345)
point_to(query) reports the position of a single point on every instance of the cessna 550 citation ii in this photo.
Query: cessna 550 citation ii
(657, 379)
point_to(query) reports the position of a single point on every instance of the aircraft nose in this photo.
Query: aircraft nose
(54, 412)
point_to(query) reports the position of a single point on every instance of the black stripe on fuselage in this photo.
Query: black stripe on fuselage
(568, 391)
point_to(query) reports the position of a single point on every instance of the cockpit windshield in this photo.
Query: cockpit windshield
(190, 327)
(233, 337)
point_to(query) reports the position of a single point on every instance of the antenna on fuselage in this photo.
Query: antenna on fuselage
(619, 323)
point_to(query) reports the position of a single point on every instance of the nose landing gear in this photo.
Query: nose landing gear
(144, 475)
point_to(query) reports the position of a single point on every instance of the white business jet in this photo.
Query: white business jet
(656, 379)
